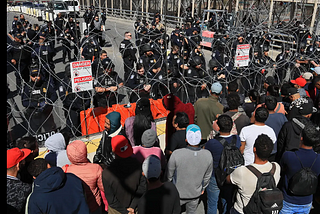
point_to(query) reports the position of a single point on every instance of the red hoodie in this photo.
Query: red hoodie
(174, 105)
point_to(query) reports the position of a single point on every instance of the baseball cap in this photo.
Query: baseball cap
(148, 138)
(300, 81)
(307, 76)
(151, 167)
(306, 108)
(15, 155)
(216, 87)
(292, 91)
(270, 80)
(193, 134)
(121, 146)
(316, 70)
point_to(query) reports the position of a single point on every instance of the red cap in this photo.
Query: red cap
(15, 155)
(121, 146)
(300, 81)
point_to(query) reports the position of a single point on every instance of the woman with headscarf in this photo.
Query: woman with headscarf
(112, 125)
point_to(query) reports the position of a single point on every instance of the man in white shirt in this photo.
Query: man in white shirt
(246, 180)
(249, 134)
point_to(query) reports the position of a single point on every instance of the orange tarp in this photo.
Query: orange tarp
(95, 117)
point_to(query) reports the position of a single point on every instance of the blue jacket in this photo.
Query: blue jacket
(57, 192)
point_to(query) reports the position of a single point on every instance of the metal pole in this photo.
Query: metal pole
(179, 7)
(208, 9)
(192, 8)
(161, 5)
(313, 16)
(270, 14)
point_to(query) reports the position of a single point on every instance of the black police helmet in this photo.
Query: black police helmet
(107, 63)
(197, 60)
(213, 63)
(146, 48)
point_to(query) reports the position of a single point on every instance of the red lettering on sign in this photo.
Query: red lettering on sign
(82, 79)
(81, 64)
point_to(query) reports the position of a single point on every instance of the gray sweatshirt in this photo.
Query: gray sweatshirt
(190, 169)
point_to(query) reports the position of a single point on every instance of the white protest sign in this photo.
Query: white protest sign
(81, 76)
(241, 58)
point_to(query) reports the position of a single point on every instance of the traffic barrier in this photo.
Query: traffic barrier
(95, 117)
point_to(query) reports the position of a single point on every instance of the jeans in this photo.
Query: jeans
(289, 208)
(213, 195)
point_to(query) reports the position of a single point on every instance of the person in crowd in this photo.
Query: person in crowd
(241, 120)
(135, 126)
(55, 191)
(289, 135)
(190, 169)
(160, 198)
(31, 143)
(292, 162)
(174, 105)
(245, 180)
(123, 181)
(17, 191)
(57, 154)
(207, 110)
(249, 107)
(216, 147)
(147, 148)
(89, 173)
(112, 127)
(249, 134)
(180, 123)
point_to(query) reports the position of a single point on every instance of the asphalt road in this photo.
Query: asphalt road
(113, 35)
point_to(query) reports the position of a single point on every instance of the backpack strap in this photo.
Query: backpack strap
(254, 170)
(236, 116)
(301, 162)
(222, 141)
(257, 173)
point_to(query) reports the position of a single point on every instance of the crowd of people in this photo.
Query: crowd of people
(244, 139)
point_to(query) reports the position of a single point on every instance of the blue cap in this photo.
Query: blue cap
(216, 88)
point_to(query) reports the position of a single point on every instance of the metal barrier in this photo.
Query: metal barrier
(171, 21)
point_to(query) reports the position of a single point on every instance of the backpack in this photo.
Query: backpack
(304, 182)
(231, 158)
(267, 198)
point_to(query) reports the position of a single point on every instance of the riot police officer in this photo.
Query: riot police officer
(107, 85)
(139, 83)
(38, 97)
(196, 85)
(128, 55)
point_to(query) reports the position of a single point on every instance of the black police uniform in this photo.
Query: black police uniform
(66, 40)
(137, 82)
(105, 80)
(129, 58)
(194, 78)
(38, 99)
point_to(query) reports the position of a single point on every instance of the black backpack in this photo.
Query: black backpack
(231, 158)
(267, 198)
(304, 182)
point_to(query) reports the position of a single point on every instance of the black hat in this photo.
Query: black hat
(306, 108)
(197, 60)
(107, 63)
(270, 80)
(146, 48)
(292, 91)
(213, 63)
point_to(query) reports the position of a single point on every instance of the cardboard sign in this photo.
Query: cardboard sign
(241, 58)
(81, 76)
